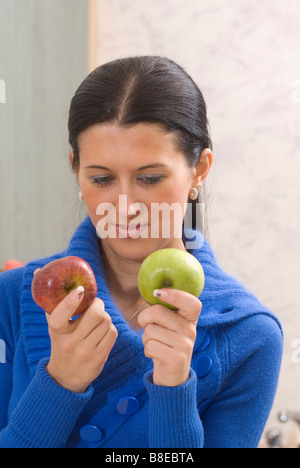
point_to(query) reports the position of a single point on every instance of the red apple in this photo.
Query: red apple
(11, 264)
(53, 282)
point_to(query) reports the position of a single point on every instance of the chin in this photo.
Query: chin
(136, 250)
(131, 249)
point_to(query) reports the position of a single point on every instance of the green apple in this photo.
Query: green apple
(170, 268)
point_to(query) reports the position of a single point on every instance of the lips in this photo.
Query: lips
(132, 231)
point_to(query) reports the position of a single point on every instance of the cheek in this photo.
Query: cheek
(167, 210)
(92, 198)
(176, 193)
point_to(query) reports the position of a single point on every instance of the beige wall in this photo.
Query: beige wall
(245, 57)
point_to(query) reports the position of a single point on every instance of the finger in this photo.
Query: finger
(160, 351)
(95, 335)
(188, 305)
(92, 318)
(106, 344)
(163, 317)
(160, 334)
(59, 320)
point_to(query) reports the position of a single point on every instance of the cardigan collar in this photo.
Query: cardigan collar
(224, 300)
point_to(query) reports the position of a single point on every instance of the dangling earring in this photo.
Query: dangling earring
(194, 194)
(80, 196)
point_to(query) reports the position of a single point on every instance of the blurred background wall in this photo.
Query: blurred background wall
(245, 58)
(43, 58)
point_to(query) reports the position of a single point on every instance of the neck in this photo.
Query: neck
(121, 277)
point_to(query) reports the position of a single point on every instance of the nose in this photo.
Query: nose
(127, 208)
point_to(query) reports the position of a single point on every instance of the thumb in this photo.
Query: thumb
(187, 305)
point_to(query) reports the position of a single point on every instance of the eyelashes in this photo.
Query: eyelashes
(107, 179)
(101, 180)
(151, 180)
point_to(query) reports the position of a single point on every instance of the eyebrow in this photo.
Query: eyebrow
(139, 169)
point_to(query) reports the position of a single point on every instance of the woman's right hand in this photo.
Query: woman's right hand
(80, 348)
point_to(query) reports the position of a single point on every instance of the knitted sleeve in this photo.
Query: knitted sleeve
(9, 301)
(46, 413)
(238, 414)
(251, 350)
(174, 421)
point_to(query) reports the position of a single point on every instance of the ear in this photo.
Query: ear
(71, 159)
(203, 167)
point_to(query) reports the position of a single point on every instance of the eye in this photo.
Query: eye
(101, 180)
(151, 179)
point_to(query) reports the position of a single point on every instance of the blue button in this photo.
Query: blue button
(128, 405)
(91, 434)
(205, 342)
(204, 366)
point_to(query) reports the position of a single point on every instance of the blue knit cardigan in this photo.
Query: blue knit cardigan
(225, 403)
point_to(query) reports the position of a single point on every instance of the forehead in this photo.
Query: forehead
(141, 141)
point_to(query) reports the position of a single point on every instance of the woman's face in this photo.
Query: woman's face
(140, 165)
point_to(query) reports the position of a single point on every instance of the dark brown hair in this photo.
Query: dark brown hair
(145, 89)
(148, 89)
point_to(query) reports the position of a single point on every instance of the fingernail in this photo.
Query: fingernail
(78, 293)
(160, 294)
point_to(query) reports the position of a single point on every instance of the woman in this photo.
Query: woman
(126, 374)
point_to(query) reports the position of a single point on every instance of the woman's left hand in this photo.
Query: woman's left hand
(169, 336)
